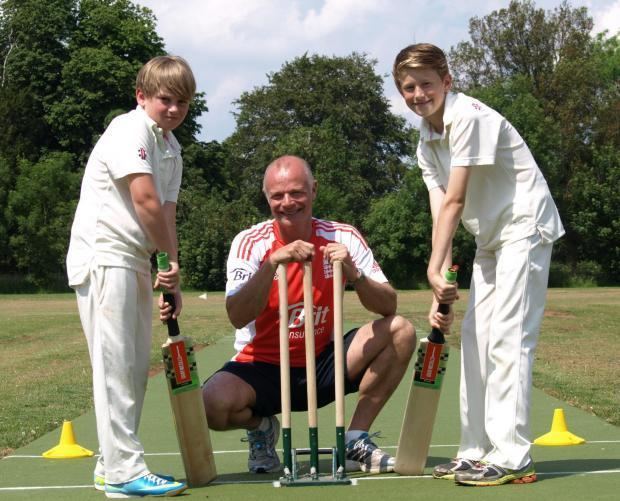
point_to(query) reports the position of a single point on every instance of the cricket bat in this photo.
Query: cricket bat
(188, 410)
(417, 428)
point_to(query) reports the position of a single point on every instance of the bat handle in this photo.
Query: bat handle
(443, 308)
(172, 323)
(436, 336)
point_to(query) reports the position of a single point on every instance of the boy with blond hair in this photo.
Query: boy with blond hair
(478, 169)
(127, 211)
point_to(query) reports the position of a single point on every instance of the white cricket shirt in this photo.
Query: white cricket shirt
(106, 228)
(507, 196)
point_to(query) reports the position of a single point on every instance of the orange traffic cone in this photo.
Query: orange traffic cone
(559, 434)
(67, 448)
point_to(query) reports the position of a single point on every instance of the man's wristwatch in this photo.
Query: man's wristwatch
(361, 276)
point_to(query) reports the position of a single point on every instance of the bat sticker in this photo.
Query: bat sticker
(180, 367)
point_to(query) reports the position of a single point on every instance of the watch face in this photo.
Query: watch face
(360, 276)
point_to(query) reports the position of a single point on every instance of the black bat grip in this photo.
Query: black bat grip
(173, 325)
(436, 336)
(443, 308)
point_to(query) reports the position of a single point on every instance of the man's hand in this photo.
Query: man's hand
(297, 251)
(170, 279)
(339, 252)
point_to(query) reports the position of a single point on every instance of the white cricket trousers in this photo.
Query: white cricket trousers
(116, 306)
(499, 335)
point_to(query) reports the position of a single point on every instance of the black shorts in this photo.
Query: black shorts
(265, 379)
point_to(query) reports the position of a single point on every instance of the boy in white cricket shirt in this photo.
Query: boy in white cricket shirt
(478, 169)
(127, 210)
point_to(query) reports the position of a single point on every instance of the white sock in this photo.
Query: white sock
(264, 425)
(353, 435)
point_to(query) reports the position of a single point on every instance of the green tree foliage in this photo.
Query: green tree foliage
(558, 84)
(209, 224)
(68, 67)
(519, 40)
(211, 211)
(33, 48)
(42, 206)
(5, 175)
(332, 112)
(111, 39)
(398, 229)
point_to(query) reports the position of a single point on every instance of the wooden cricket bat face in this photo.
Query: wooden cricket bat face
(430, 365)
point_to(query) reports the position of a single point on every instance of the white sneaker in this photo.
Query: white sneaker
(457, 465)
(363, 454)
(263, 456)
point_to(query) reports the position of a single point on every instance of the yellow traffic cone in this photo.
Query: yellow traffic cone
(67, 448)
(559, 434)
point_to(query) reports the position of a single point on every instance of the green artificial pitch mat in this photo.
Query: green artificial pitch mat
(591, 470)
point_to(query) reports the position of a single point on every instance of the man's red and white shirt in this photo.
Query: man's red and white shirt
(259, 340)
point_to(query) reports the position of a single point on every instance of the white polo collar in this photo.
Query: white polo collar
(427, 133)
(169, 146)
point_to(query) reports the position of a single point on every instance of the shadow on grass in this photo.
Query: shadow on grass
(569, 467)
(325, 470)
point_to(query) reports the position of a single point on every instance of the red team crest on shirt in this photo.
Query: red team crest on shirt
(142, 153)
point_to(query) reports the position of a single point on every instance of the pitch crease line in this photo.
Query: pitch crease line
(374, 478)
(242, 451)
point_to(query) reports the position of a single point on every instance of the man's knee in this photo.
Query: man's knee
(223, 394)
(403, 336)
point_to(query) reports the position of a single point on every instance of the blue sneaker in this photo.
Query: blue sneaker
(99, 480)
(147, 485)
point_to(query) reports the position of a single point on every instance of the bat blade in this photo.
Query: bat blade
(422, 403)
(188, 412)
(423, 400)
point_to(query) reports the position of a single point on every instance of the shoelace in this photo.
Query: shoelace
(154, 479)
(258, 442)
(364, 447)
(475, 464)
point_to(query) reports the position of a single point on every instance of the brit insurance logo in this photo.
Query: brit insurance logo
(142, 153)
(239, 274)
(297, 320)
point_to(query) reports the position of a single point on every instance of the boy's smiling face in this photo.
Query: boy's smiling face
(166, 109)
(425, 92)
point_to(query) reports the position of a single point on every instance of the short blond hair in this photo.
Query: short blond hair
(169, 73)
(419, 55)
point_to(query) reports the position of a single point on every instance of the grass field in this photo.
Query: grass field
(45, 371)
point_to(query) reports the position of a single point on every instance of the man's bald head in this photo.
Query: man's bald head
(286, 163)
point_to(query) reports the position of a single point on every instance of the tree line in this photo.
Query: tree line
(68, 67)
